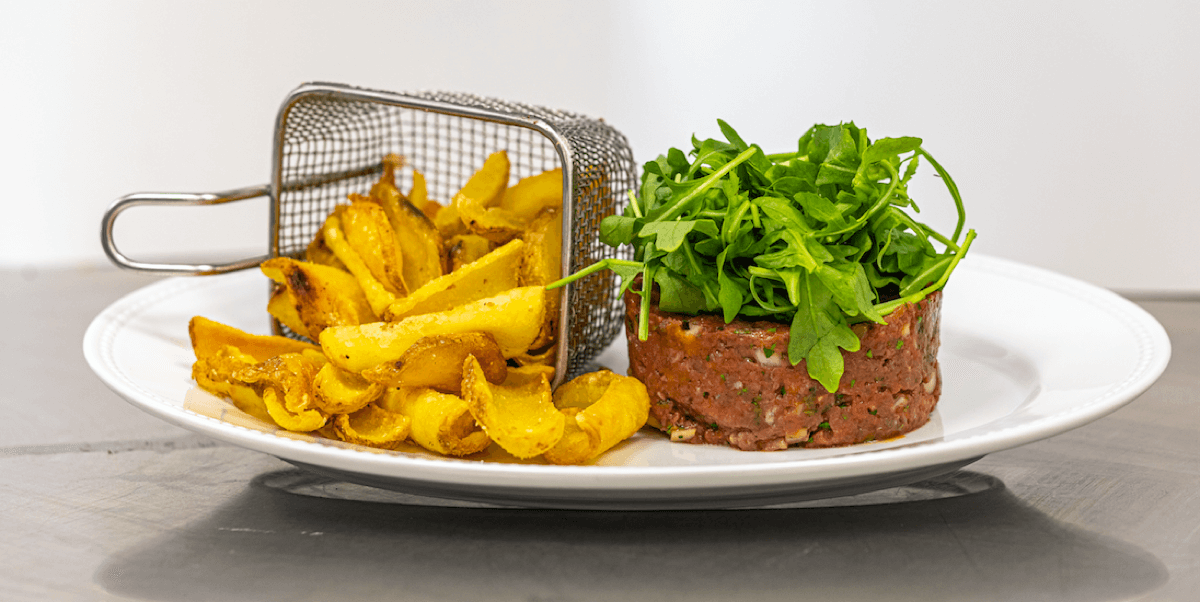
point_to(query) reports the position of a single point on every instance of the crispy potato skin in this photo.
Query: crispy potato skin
(463, 354)
(435, 362)
(513, 318)
(488, 276)
(521, 420)
(323, 296)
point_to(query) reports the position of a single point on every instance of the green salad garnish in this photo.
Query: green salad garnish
(820, 238)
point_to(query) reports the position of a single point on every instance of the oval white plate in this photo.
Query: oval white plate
(1026, 354)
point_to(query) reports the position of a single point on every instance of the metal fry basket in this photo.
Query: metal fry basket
(330, 140)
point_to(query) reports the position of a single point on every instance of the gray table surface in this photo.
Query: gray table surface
(99, 501)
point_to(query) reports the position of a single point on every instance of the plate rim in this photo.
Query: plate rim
(1153, 355)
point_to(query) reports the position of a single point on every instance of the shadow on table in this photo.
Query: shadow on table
(962, 536)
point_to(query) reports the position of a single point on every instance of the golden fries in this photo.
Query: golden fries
(433, 327)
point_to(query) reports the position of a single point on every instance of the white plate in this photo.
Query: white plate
(1026, 354)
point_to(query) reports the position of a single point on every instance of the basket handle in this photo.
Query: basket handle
(176, 199)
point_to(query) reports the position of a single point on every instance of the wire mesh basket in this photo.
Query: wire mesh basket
(330, 140)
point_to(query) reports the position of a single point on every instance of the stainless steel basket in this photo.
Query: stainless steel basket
(330, 140)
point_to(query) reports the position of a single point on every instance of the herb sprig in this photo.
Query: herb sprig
(820, 238)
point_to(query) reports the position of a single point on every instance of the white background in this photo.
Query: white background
(1072, 128)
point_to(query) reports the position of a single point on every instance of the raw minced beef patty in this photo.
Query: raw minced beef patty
(732, 384)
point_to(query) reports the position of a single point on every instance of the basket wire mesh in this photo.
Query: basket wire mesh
(331, 140)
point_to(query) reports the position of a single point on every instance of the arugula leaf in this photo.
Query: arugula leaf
(817, 239)
(669, 234)
(616, 230)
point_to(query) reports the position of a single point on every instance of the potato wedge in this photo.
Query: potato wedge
(318, 252)
(439, 422)
(421, 243)
(448, 223)
(513, 317)
(282, 306)
(323, 296)
(486, 186)
(467, 248)
(419, 195)
(542, 264)
(491, 275)
(476, 204)
(521, 420)
(435, 362)
(378, 294)
(379, 291)
(372, 426)
(529, 196)
(370, 232)
(493, 223)
(209, 337)
(342, 392)
(424, 250)
(608, 408)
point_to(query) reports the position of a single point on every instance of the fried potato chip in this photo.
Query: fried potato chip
(213, 369)
(342, 392)
(575, 446)
(513, 318)
(372, 426)
(288, 391)
(521, 420)
(291, 373)
(491, 275)
(435, 362)
(606, 407)
(250, 401)
(301, 421)
(467, 248)
(208, 337)
(531, 195)
(323, 296)
(439, 422)
(541, 264)
(373, 281)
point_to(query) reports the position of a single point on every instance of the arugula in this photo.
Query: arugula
(820, 238)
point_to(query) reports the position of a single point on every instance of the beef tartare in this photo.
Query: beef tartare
(732, 384)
